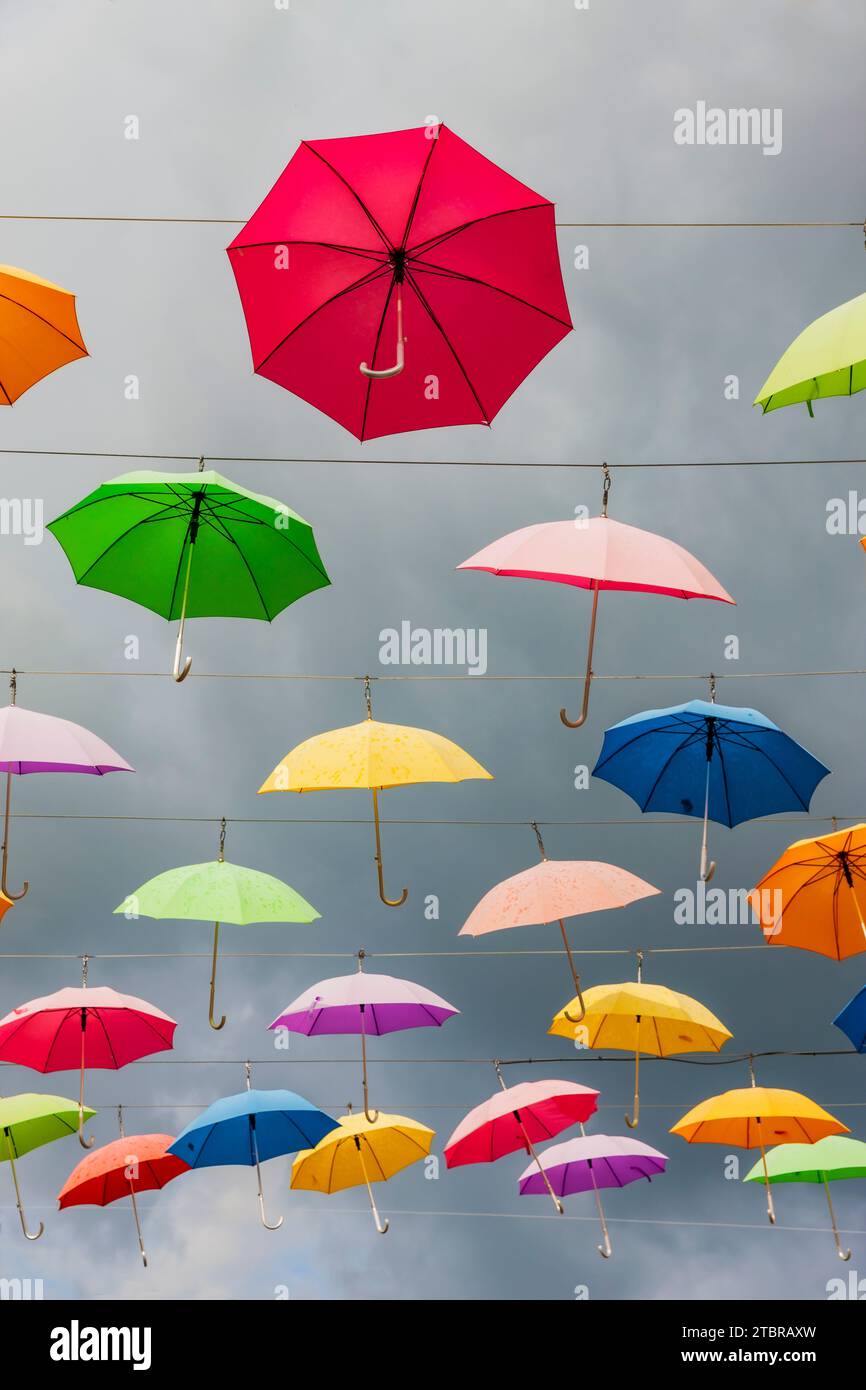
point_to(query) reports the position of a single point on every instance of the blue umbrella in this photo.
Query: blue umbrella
(249, 1128)
(852, 1020)
(701, 759)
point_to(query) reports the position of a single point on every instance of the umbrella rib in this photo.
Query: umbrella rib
(213, 517)
(756, 748)
(365, 252)
(444, 273)
(230, 538)
(99, 1019)
(48, 324)
(367, 279)
(67, 1015)
(422, 247)
(358, 199)
(426, 304)
(422, 176)
(725, 783)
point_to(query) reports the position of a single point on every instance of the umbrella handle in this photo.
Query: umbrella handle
(771, 1210)
(179, 672)
(28, 1235)
(575, 977)
(381, 375)
(264, 1220)
(530, 1149)
(4, 887)
(381, 1226)
(633, 1123)
(371, 1116)
(843, 1254)
(85, 1143)
(605, 1250)
(708, 867)
(389, 902)
(137, 1224)
(587, 680)
(210, 1017)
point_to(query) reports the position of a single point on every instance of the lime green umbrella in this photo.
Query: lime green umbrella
(217, 892)
(29, 1121)
(136, 536)
(827, 359)
(827, 1161)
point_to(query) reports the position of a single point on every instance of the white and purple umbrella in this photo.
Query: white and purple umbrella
(589, 1163)
(369, 1005)
(31, 742)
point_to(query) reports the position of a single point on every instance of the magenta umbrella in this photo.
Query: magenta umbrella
(80, 1028)
(369, 1005)
(592, 1162)
(31, 742)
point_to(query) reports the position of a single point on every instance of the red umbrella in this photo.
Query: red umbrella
(400, 281)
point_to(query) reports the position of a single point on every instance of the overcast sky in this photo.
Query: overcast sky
(580, 105)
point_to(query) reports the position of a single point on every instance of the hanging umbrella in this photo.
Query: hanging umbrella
(718, 762)
(133, 1163)
(136, 536)
(597, 554)
(81, 1028)
(370, 1005)
(814, 895)
(406, 237)
(29, 1121)
(248, 1129)
(641, 1018)
(360, 1151)
(552, 890)
(31, 742)
(852, 1020)
(518, 1117)
(827, 359)
(218, 892)
(372, 755)
(38, 331)
(755, 1116)
(589, 1163)
(829, 1160)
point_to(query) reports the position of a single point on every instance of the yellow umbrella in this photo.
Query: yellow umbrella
(38, 331)
(827, 359)
(641, 1018)
(755, 1116)
(362, 1151)
(372, 755)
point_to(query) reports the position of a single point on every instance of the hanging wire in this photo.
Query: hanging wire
(328, 677)
(598, 226)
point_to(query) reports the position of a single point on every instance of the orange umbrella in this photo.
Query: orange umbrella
(813, 895)
(552, 890)
(755, 1116)
(38, 331)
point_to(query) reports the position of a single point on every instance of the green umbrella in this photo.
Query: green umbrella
(29, 1121)
(827, 359)
(826, 1161)
(136, 536)
(218, 892)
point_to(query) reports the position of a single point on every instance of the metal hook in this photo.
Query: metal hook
(380, 375)
(389, 902)
(587, 680)
(534, 825)
(213, 971)
(4, 886)
(605, 488)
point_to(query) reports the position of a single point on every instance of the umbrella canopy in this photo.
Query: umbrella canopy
(409, 237)
(32, 742)
(362, 1151)
(366, 1004)
(29, 1121)
(372, 755)
(219, 892)
(598, 554)
(249, 1128)
(137, 535)
(827, 359)
(829, 1160)
(852, 1020)
(719, 762)
(589, 1163)
(811, 897)
(38, 331)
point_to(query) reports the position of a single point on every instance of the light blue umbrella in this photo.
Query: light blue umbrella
(719, 762)
(249, 1128)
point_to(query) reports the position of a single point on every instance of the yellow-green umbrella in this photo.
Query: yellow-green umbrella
(29, 1121)
(825, 1161)
(827, 359)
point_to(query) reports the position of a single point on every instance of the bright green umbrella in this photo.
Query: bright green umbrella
(827, 359)
(218, 892)
(136, 536)
(827, 1161)
(29, 1121)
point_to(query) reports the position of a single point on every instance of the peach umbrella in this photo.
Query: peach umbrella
(597, 554)
(38, 331)
(813, 896)
(552, 890)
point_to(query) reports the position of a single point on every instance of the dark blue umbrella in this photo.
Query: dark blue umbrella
(718, 762)
(249, 1128)
(852, 1020)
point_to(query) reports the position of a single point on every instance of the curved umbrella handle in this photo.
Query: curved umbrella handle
(4, 886)
(179, 672)
(605, 1250)
(575, 977)
(371, 1116)
(708, 866)
(771, 1210)
(137, 1224)
(587, 680)
(264, 1220)
(389, 902)
(633, 1123)
(85, 1143)
(842, 1253)
(381, 1226)
(381, 375)
(28, 1235)
(210, 1017)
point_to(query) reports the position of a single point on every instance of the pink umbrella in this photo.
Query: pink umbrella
(598, 554)
(552, 890)
(84, 1028)
(515, 1118)
(31, 742)
(370, 1005)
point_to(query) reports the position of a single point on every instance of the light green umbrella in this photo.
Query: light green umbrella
(136, 536)
(217, 892)
(29, 1121)
(827, 359)
(827, 1161)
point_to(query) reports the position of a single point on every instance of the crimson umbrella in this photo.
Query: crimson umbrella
(400, 281)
